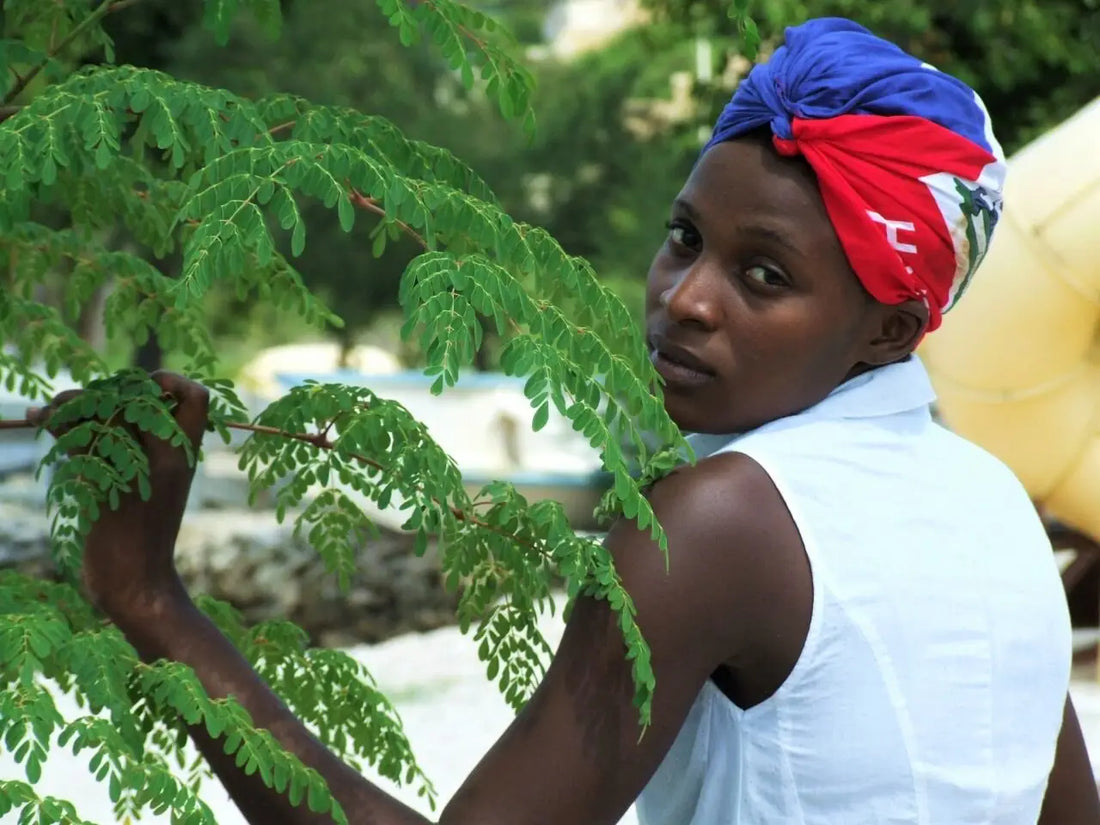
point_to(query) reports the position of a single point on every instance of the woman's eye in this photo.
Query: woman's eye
(682, 235)
(765, 276)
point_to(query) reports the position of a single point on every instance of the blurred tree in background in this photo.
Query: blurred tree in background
(1034, 62)
(341, 57)
(618, 127)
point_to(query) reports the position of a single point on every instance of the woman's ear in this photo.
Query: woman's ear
(898, 330)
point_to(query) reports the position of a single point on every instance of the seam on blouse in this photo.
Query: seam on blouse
(900, 706)
(819, 588)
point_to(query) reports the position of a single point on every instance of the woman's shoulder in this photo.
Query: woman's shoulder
(725, 491)
(734, 553)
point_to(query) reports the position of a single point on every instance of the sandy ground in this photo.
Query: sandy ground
(451, 714)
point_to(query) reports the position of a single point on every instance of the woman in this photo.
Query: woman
(862, 622)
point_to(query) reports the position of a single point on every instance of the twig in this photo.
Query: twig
(318, 440)
(371, 205)
(481, 44)
(282, 127)
(321, 442)
(119, 5)
(101, 11)
(328, 427)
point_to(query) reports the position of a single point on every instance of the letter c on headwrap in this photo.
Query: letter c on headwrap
(906, 161)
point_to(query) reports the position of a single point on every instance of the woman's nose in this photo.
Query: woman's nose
(692, 298)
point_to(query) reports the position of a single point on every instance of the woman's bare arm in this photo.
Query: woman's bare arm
(1071, 797)
(573, 754)
(173, 628)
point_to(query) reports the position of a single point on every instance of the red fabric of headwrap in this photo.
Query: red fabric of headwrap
(905, 157)
(895, 188)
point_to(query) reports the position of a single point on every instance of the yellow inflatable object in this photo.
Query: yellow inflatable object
(1017, 364)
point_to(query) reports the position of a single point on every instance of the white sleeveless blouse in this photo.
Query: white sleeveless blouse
(931, 684)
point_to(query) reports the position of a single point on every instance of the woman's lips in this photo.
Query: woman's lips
(676, 372)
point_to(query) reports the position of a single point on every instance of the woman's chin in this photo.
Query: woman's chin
(692, 417)
(689, 417)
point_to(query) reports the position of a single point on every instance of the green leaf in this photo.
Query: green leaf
(542, 415)
(298, 239)
(319, 799)
(347, 214)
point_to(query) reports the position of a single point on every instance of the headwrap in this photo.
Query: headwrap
(904, 155)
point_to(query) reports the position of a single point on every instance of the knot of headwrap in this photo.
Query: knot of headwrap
(904, 155)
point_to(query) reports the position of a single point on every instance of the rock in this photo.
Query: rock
(24, 539)
(266, 571)
(248, 559)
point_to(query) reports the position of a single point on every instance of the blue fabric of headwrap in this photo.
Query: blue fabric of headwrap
(831, 66)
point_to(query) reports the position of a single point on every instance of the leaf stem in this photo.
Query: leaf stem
(282, 127)
(481, 44)
(101, 11)
(318, 440)
(361, 201)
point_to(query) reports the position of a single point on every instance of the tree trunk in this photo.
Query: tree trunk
(149, 356)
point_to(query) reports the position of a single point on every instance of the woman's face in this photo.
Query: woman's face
(752, 312)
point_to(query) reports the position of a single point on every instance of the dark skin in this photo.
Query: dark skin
(753, 314)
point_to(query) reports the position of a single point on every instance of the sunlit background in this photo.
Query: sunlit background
(625, 93)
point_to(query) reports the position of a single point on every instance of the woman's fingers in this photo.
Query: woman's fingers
(37, 415)
(40, 416)
(189, 402)
(192, 401)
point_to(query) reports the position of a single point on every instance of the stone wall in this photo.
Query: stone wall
(259, 565)
(248, 559)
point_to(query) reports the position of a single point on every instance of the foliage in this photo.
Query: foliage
(605, 188)
(1034, 63)
(600, 187)
(222, 182)
(325, 58)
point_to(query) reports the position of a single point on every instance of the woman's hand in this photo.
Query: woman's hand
(128, 555)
